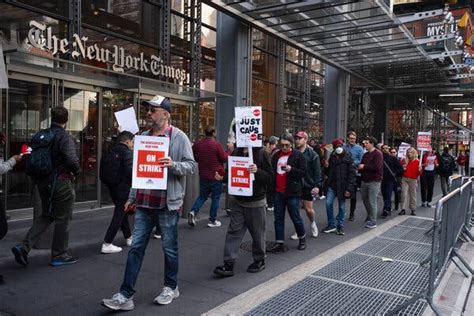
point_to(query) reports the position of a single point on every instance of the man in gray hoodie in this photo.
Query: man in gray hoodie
(158, 207)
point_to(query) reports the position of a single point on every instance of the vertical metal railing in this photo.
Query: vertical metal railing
(452, 219)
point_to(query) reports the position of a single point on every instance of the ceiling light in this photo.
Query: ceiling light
(459, 103)
(452, 95)
(461, 109)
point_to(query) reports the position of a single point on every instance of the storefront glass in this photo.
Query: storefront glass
(28, 112)
(58, 7)
(137, 19)
(83, 126)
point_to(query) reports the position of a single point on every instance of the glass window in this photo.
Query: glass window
(29, 106)
(294, 76)
(207, 112)
(264, 65)
(208, 37)
(59, 7)
(180, 34)
(14, 28)
(136, 19)
(208, 77)
(180, 62)
(294, 55)
(181, 116)
(208, 15)
(264, 41)
(177, 5)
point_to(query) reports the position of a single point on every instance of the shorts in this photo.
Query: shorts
(307, 196)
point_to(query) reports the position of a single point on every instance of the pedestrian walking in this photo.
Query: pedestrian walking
(271, 148)
(356, 152)
(248, 213)
(311, 181)
(411, 171)
(462, 161)
(116, 173)
(371, 169)
(5, 166)
(446, 168)
(55, 187)
(289, 168)
(158, 207)
(427, 180)
(392, 171)
(210, 157)
(397, 190)
(341, 184)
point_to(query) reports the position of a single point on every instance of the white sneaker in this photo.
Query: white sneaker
(110, 248)
(270, 209)
(214, 224)
(294, 236)
(129, 241)
(314, 230)
(166, 296)
(156, 236)
(119, 302)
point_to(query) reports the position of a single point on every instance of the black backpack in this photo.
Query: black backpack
(110, 168)
(39, 164)
(445, 164)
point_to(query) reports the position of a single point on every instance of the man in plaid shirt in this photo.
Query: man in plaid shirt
(158, 207)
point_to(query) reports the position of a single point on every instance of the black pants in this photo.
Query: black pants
(427, 184)
(120, 218)
(3, 220)
(354, 197)
(62, 201)
(397, 191)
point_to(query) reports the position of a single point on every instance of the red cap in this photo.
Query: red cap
(337, 142)
(302, 134)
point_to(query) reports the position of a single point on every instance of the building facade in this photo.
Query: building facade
(96, 57)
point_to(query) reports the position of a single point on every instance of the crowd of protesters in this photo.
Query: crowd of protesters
(289, 172)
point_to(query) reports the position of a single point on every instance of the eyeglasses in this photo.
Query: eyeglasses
(151, 109)
(286, 145)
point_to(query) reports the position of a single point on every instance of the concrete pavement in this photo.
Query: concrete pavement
(78, 289)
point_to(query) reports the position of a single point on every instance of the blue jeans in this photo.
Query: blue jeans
(207, 187)
(387, 189)
(293, 205)
(145, 221)
(330, 197)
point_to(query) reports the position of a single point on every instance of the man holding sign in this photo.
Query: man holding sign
(156, 206)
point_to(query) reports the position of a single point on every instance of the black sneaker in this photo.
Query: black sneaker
(256, 266)
(385, 213)
(63, 260)
(413, 213)
(2, 281)
(351, 216)
(278, 247)
(402, 212)
(340, 231)
(302, 244)
(329, 230)
(21, 256)
(226, 270)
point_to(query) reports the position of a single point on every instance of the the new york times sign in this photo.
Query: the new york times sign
(41, 37)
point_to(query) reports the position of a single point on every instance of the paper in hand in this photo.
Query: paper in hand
(127, 120)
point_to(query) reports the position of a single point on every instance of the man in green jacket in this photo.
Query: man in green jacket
(311, 181)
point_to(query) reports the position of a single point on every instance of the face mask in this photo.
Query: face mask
(339, 150)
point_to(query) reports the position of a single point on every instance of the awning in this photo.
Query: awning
(360, 37)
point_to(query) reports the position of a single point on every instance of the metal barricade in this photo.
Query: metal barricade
(450, 222)
(455, 181)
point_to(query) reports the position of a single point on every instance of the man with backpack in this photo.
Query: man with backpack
(53, 165)
(116, 172)
(446, 168)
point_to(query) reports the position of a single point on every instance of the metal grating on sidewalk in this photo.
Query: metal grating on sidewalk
(363, 281)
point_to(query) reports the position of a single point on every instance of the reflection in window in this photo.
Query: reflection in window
(136, 19)
(264, 41)
(264, 65)
(180, 34)
(208, 15)
(59, 7)
(207, 111)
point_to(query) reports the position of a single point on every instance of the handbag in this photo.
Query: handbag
(392, 173)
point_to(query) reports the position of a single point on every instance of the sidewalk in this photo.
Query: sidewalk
(78, 289)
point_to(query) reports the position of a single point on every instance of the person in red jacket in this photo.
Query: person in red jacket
(411, 171)
(462, 160)
(210, 157)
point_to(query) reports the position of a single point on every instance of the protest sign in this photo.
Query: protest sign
(423, 141)
(402, 150)
(249, 126)
(239, 181)
(127, 120)
(147, 170)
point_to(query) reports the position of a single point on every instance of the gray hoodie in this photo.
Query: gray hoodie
(182, 155)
